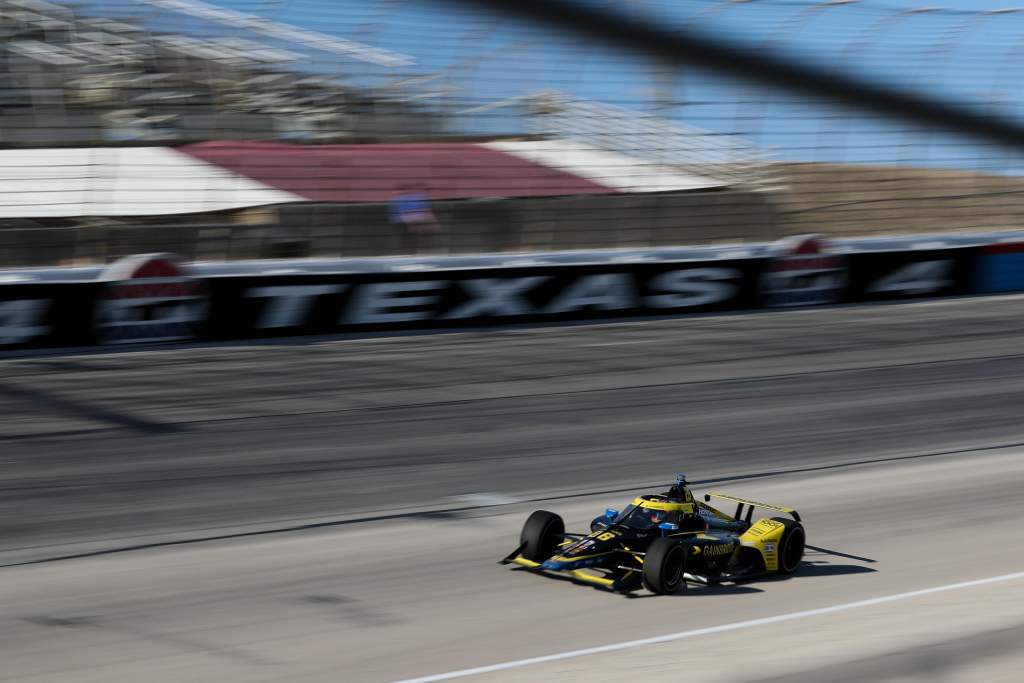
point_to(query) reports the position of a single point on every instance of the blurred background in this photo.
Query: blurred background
(241, 129)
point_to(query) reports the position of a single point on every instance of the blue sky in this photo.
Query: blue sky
(958, 53)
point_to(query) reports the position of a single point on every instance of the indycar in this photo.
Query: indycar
(664, 541)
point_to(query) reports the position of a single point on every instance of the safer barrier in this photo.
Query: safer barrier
(152, 298)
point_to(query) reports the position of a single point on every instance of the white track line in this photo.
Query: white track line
(613, 647)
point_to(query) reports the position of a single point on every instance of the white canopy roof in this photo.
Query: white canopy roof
(611, 169)
(122, 181)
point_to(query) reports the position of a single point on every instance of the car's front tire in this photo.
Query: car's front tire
(664, 566)
(541, 534)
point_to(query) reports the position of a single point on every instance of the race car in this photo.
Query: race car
(662, 541)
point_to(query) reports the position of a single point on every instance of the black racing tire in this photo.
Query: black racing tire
(541, 535)
(791, 545)
(664, 565)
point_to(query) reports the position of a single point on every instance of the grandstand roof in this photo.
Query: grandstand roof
(205, 177)
(109, 181)
(371, 173)
(612, 170)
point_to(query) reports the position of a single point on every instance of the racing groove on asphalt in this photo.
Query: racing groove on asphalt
(126, 447)
(893, 428)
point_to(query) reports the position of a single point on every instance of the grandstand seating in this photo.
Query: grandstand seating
(67, 79)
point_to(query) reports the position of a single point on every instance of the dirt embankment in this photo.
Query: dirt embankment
(841, 200)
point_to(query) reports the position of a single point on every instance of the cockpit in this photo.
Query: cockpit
(647, 512)
(645, 518)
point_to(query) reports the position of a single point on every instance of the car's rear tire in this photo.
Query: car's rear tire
(664, 566)
(791, 545)
(541, 535)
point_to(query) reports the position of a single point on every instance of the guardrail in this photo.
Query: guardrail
(157, 297)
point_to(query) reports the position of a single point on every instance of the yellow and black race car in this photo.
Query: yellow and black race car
(662, 541)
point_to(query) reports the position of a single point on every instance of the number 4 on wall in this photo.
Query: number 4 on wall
(19, 320)
(922, 277)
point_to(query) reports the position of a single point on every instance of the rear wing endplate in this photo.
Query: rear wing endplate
(750, 504)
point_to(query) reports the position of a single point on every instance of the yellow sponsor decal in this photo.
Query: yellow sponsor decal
(764, 536)
(577, 558)
(663, 505)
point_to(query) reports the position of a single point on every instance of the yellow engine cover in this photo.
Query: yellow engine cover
(765, 536)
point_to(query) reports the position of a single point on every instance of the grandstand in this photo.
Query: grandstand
(73, 80)
(214, 132)
(91, 85)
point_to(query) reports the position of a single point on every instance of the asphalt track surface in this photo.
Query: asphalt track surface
(331, 510)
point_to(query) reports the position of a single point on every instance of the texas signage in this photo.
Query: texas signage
(155, 297)
(323, 303)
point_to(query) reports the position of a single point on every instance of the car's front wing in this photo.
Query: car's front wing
(577, 574)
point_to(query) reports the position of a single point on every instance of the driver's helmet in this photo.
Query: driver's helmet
(658, 516)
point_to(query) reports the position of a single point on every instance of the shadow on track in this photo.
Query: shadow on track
(50, 402)
(836, 553)
(825, 569)
(722, 589)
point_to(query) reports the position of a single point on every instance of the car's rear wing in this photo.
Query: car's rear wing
(750, 504)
